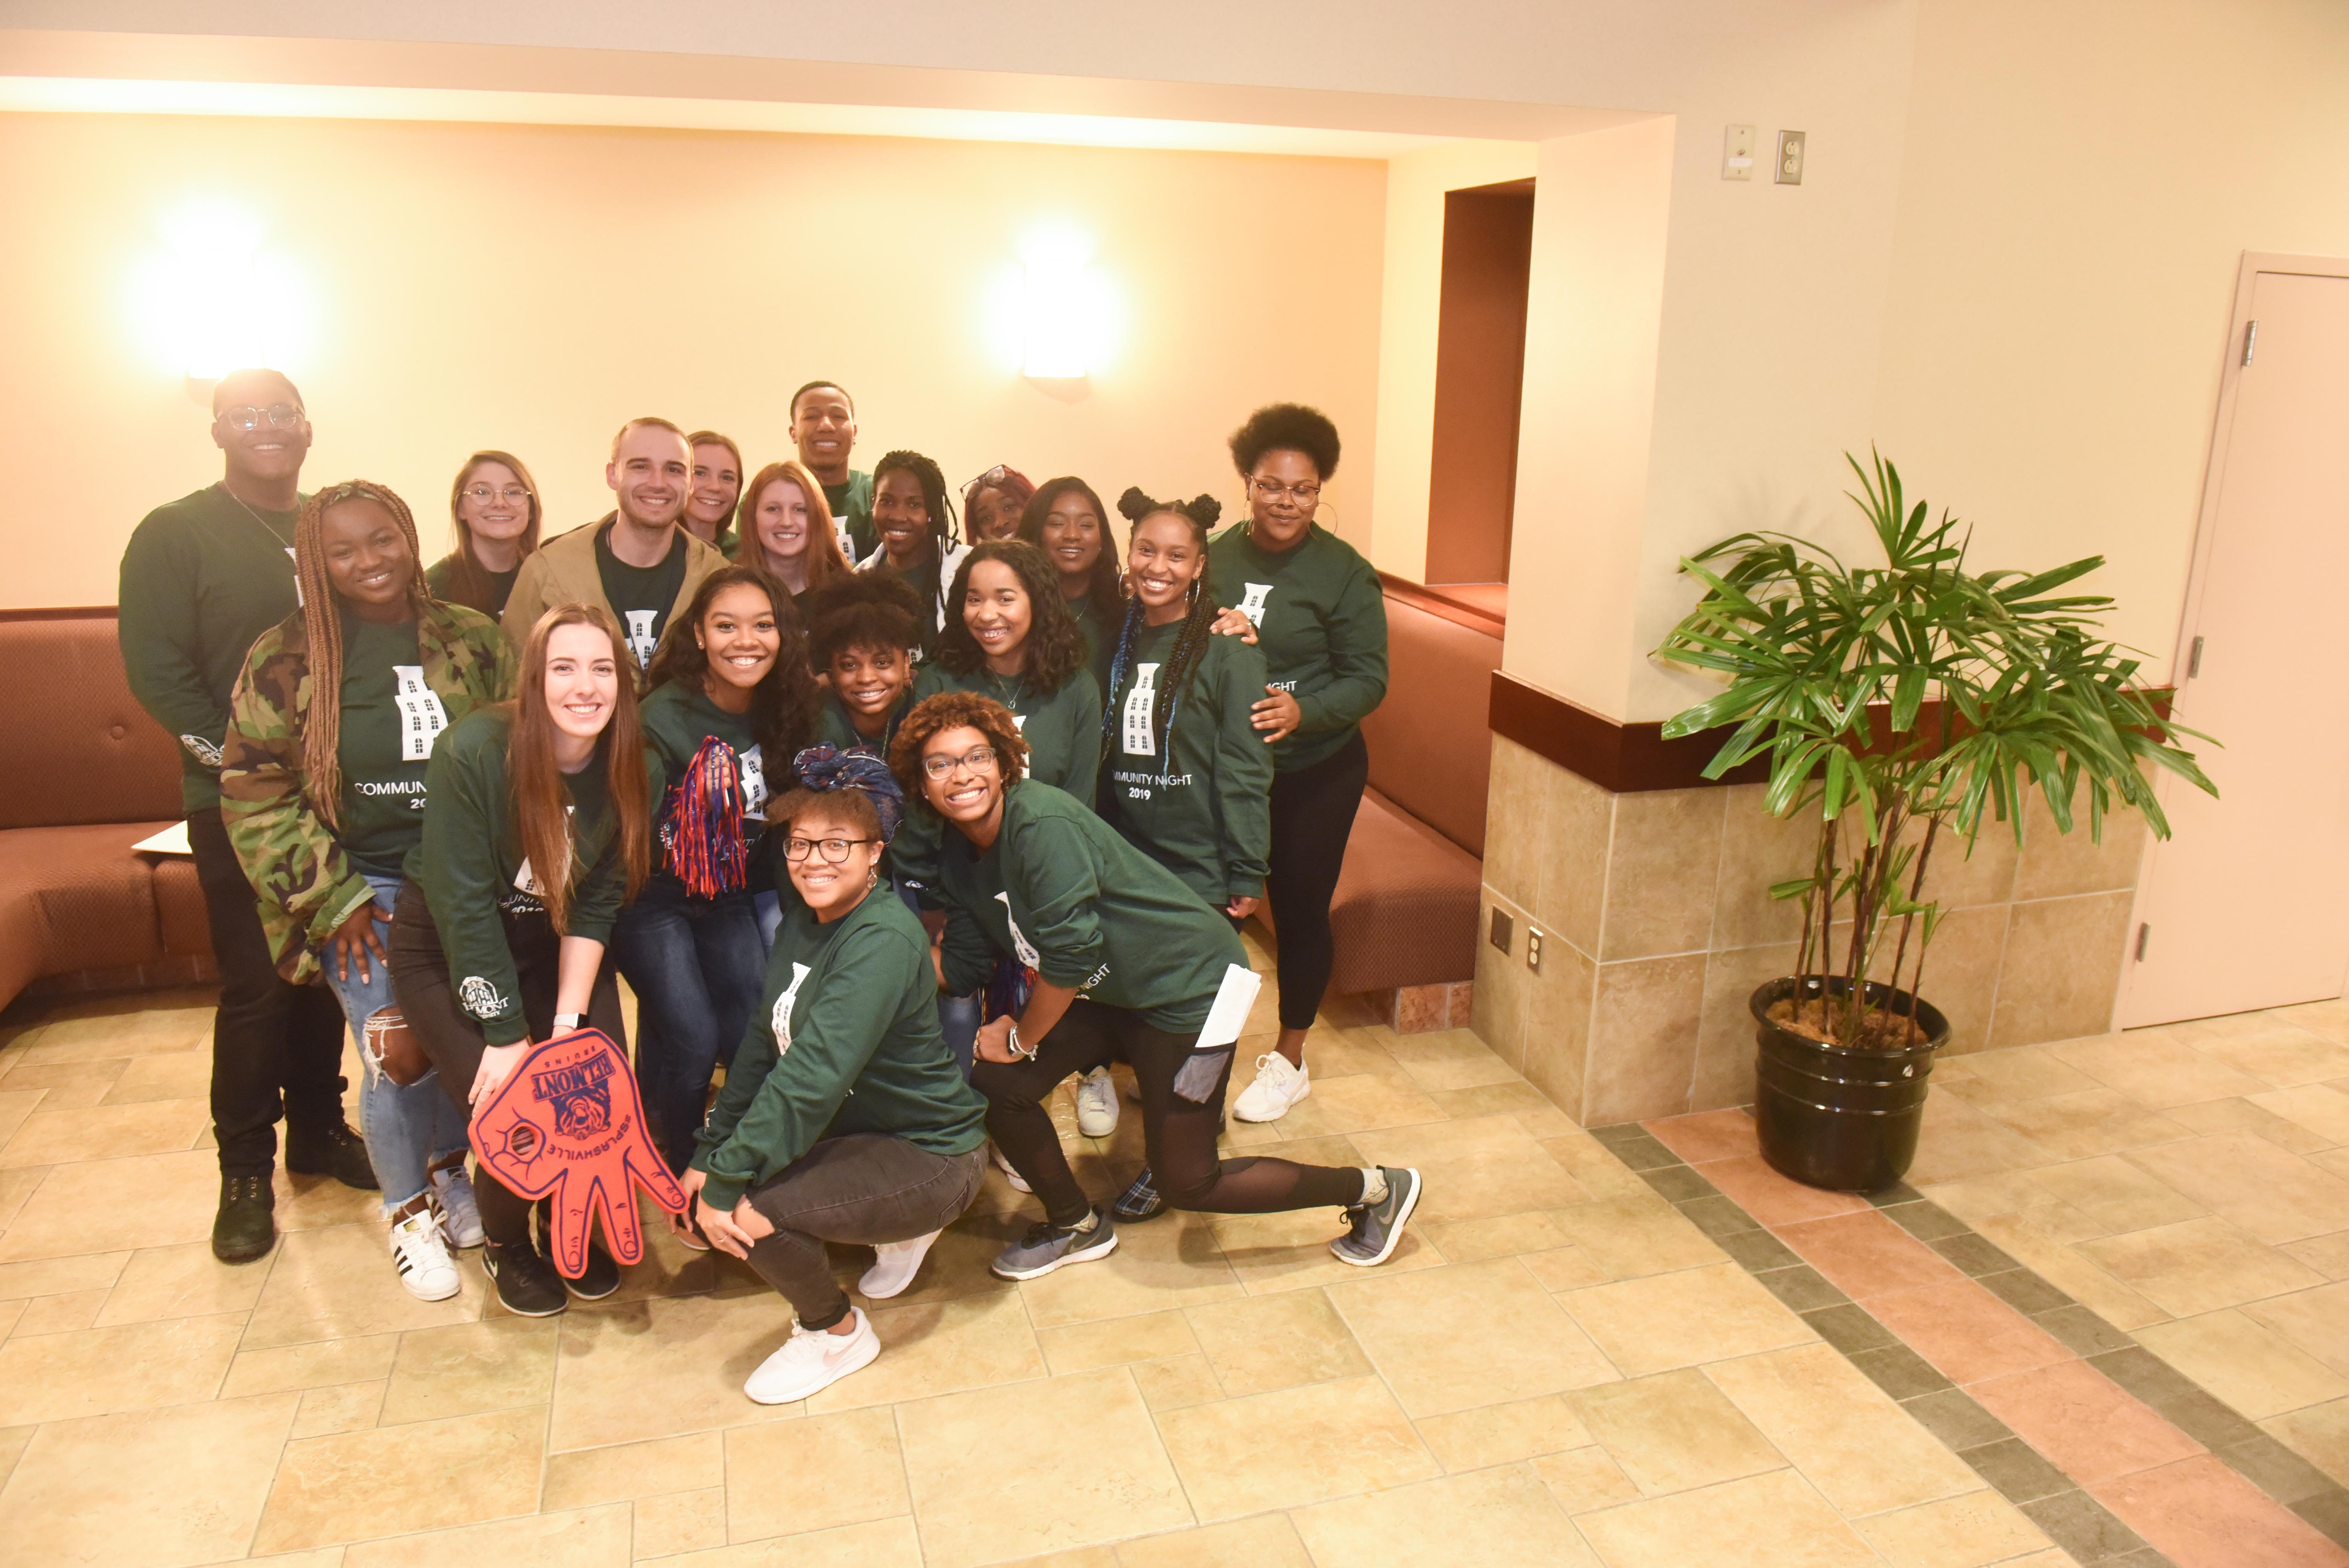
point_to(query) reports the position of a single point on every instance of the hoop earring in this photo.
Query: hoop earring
(871, 878)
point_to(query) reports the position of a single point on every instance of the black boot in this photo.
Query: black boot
(334, 1151)
(245, 1228)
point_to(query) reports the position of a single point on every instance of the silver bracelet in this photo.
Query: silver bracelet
(1013, 1041)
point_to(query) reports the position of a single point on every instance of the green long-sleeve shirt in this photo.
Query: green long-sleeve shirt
(676, 718)
(1321, 623)
(1065, 894)
(202, 577)
(851, 502)
(470, 864)
(1062, 727)
(845, 1039)
(1197, 801)
(1100, 625)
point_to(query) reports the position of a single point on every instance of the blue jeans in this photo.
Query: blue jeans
(408, 1129)
(695, 964)
(770, 905)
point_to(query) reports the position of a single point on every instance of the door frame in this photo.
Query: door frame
(2206, 521)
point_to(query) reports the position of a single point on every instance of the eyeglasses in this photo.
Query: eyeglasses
(978, 760)
(283, 415)
(835, 850)
(1305, 495)
(514, 494)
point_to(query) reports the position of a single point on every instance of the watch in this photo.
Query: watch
(566, 1021)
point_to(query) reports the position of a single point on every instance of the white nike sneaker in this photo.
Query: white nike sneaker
(1097, 1104)
(1018, 1183)
(420, 1254)
(1277, 1086)
(810, 1362)
(894, 1264)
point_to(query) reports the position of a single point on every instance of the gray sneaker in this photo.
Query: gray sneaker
(1375, 1229)
(1047, 1246)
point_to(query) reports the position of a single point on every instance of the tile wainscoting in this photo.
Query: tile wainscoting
(1657, 924)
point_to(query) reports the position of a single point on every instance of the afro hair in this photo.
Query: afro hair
(1286, 427)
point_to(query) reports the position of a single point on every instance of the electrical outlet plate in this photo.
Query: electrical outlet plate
(1737, 153)
(1791, 145)
(1532, 948)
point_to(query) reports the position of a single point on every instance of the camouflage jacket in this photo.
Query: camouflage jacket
(304, 885)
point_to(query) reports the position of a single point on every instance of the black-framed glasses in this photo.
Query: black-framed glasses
(978, 760)
(513, 495)
(834, 850)
(1272, 490)
(246, 417)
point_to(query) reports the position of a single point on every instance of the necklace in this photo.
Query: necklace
(256, 517)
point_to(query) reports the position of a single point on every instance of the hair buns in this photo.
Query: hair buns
(1203, 510)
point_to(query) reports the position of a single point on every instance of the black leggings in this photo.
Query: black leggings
(453, 1039)
(1312, 814)
(1178, 1128)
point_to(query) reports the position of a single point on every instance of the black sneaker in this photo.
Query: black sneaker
(527, 1284)
(247, 1226)
(1047, 1246)
(1141, 1200)
(336, 1151)
(599, 1279)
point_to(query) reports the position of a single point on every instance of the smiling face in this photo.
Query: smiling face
(829, 890)
(367, 557)
(1163, 563)
(650, 475)
(781, 520)
(1072, 533)
(739, 635)
(824, 428)
(583, 680)
(1284, 491)
(995, 607)
(717, 486)
(901, 517)
(268, 453)
(966, 793)
(869, 681)
(992, 514)
(504, 513)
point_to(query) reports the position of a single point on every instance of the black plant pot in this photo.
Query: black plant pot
(1833, 1117)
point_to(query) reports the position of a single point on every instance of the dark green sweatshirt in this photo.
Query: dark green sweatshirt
(851, 502)
(1202, 806)
(1099, 626)
(441, 573)
(1063, 892)
(677, 719)
(470, 864)
(202, 577)
(845, 1039)
(1321, 623)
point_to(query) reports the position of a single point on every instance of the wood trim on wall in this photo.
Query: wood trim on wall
(63, 613)
(1436, 602)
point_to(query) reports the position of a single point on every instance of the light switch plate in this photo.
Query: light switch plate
(1791, 145)
(1737, 153)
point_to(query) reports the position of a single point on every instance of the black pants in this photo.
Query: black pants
(277, 1049)
(452, 1037)
(1182, 1106)
(863, 1188)
(1312, 814)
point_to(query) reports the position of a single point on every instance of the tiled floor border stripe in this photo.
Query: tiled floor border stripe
(2072, 1518)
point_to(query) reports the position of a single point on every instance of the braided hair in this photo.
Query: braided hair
(1191, 642)
(322, 625)
(927, 579)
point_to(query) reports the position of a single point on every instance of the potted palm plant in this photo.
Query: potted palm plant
(1905, 706)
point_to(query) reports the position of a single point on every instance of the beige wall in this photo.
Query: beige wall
(531, 287)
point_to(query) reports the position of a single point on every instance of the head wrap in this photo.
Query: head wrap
(824, 768)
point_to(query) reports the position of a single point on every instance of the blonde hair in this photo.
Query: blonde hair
(825, 560)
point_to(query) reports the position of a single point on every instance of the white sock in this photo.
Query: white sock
(1374, 1187)
(1084, 1227)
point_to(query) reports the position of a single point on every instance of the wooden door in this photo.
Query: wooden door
(2248, 905)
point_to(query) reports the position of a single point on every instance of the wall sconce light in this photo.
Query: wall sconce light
(1054, 312)
(212, 299)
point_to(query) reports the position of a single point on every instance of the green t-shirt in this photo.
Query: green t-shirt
(845, 1040)
(677, 719)
(389, 717)
(442, 572)
(1321, 623)
(1195, 795)
(469, 864)
(851, 502)
(1060, 891)
(642, 596)
(1062, 727)
(202, 577)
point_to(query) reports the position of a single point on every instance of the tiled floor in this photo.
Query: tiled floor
(1571, 1361)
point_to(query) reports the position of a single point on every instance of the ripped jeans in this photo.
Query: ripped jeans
(409, 1131)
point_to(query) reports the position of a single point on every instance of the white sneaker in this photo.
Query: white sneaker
(810, 1363)
(1097, 1104)
(1277, 1086)
(1018, 1183)
(421, 1257)
(460, 1217)
(894, 1264)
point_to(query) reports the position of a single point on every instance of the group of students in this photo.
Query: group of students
(891, 850)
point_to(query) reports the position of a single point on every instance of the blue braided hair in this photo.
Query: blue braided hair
(824, 768)
(1190, 644)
